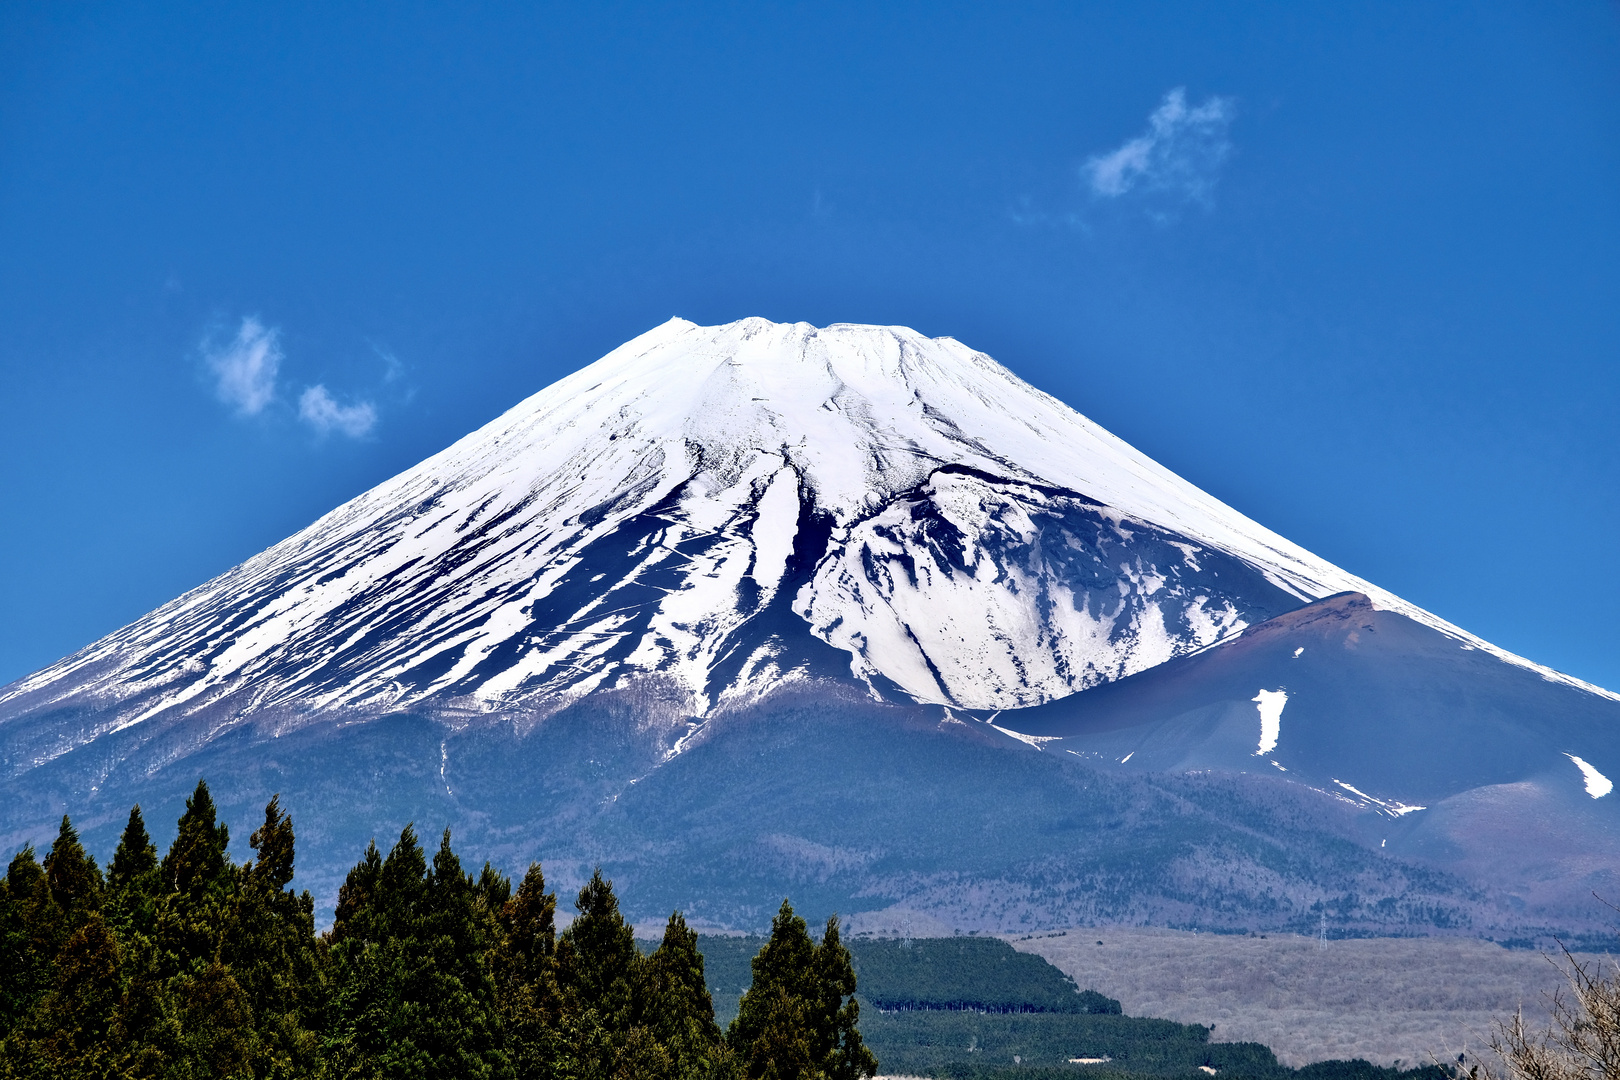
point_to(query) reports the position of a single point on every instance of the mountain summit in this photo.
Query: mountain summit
(725, 509)
(764, 607)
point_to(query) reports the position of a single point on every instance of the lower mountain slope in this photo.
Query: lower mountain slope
(1460, 760)
(886, 814)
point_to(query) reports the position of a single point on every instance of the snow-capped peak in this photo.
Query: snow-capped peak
(723, 509)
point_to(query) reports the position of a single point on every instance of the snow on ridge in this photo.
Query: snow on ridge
(641, 515)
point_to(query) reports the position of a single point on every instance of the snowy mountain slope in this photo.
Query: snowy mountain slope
(724, 510)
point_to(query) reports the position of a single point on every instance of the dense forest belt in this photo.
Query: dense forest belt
(959, 974)
(1042, 1024)
(1383, 999)
(195, 966)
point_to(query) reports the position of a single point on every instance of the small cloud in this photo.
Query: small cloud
(245, 368)
(393, 367)
(317, 408)
(1180, 154)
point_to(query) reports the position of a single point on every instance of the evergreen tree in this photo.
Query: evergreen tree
(677, 1009)
(132, 879)
(196, 862)
(458, 991)
(600, 955)
(598, 971)
(146, 1027)
(71, 876)
(29, 938)
(778, 1044)
(526, 980)
(356, 916)
(271, 951)
(70, 964)
(413, 994)
(183, 1011)
(197, 883)
(772, 1032)
(529, 928)
(67, 1033)
(366, 946)
(842, 1054)
(493, 890)
(136, 855)
(794, 1022)
(194, 967)
(210, 1028)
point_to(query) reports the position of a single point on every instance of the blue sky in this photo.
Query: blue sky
(1353, 268)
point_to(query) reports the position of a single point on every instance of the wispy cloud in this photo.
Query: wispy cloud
(1180, 154)
(245, 368)
(393, 367)
(319, 410)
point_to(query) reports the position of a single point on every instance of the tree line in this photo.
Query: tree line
(193, 966)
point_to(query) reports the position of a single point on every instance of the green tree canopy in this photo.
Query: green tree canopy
(798, 1019)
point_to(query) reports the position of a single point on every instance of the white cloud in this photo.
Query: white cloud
(245, 369)
(1180, 154)
(317, 408)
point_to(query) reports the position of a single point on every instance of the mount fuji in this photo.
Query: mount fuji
(857, 614)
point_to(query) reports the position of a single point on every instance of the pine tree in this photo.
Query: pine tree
(794, 1023)
(677, 1009)
(772, 1033)
(270, 950)
(197, 884)
(47, 909)
(458, 988)
(840, 1050)
(213, 1021)
(132, 879)
(601, 955)
(196, 861)
(71, 876)
(140, 1028)
(598, 972)
(529, 925)
(183, 1011)
(366, 945)
(526, 979)
(782, 1033)
(413, 994)
(356, 916)
(71, 964)
(29, 938)
(136, 855)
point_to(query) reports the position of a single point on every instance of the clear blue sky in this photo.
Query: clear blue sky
(1360, 278)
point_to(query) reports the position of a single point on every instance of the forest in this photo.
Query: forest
(190, 966)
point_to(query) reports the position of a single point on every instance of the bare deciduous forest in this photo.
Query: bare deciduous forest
(1382, 999)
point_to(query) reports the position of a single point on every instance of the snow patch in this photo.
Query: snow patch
(1597, 785)
(1270, 705)
(1037, 741)
(1394, 808)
